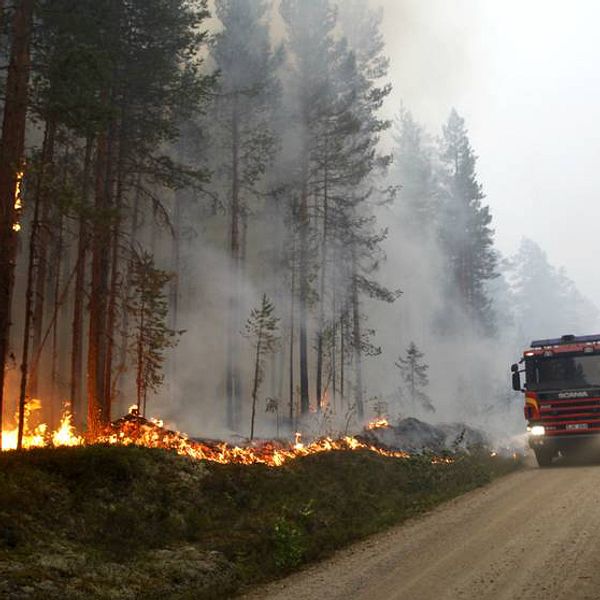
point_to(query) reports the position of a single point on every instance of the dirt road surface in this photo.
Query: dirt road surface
(533, 535)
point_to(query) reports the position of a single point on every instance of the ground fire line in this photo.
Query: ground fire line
(135, 430)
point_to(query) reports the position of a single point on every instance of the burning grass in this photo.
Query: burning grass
(134, 430)
(130, 522)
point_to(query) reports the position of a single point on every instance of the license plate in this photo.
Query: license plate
(577, 426)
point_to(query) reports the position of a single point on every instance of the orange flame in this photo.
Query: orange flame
(378, 423)
(18, 201)
(40, 436)
(134, 430)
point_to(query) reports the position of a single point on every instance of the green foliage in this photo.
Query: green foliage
(466, 225)
(151, 336)
(248, 92)
(557, 304)
(133, 66)
(288, 544)
(261, 329)
(414, 376)
(263, 324)
(414, 172)
(126, 505)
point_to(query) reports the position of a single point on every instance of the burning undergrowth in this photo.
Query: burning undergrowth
(134, 430)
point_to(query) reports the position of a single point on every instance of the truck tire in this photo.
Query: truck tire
(544, 456)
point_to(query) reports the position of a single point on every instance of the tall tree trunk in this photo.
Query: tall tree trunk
(303, 275)
(31, 270)
(133, 234)
(55, 273)
(232, 375)
(324, 248)
(11, 164)
(181, 197)
(42, 250)
(176, 260)
(114, 289)
(342, 354)
(174, 286)
(97, 409)
(77, 323)
(256, 380)
(357, 340)
(333, 355)
(292, 331)
(139, 379)
(57, 259)
(412, 389)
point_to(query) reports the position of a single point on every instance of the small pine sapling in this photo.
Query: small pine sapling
(414, 375)
(151, 336)
(261, 329)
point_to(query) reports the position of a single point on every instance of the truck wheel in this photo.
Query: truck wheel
(544, 456)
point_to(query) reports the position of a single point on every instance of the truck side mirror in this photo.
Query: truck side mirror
(516, 381)
(514, 367)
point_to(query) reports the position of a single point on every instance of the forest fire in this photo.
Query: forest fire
(18, 202)
(378, 423)
(40, 436)
(134, 430)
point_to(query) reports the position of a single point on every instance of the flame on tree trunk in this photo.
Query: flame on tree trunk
(11, 159)
(32, 269)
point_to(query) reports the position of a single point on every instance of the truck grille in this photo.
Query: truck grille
(570, 415)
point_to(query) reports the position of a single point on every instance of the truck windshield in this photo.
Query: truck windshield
(564, 372)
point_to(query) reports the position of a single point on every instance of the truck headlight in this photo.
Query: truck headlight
(538, 430)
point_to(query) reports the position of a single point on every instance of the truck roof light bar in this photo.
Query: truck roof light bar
(566, 339)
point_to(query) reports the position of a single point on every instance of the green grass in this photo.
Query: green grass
(110, 522)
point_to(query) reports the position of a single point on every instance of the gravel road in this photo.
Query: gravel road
(532, 535)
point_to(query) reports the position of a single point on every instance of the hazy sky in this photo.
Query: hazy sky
(526, 76)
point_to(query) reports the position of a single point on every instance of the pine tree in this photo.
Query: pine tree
(148, 308)
(414, 174)
(145, 56)
(545, 301)
(244, 140)
(336, 99)
(310, 25)
(360, 238)
(466, 233)
(262, 330)
(413, 371)
(12, 151)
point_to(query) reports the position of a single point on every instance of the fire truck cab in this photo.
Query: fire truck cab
(562, 394)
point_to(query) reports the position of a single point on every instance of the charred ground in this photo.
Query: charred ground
(113, 522)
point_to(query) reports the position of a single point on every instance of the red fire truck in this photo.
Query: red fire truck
(562, 394)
